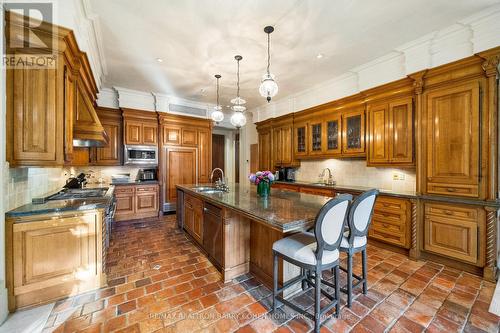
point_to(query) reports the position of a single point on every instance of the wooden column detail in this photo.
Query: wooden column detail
(418, 86)
(414, 251)
(490, 269)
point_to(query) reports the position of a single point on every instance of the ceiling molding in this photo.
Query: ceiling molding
(108, 98)
(134, 99)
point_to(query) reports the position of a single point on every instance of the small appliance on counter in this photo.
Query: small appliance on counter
(120, 178)
(286, 174)
(146, 175)
(76, 182)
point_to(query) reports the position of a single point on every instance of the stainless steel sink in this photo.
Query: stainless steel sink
(203, 188)
(323, 184)
(211, 191)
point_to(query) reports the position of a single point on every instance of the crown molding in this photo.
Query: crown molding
(135, 99)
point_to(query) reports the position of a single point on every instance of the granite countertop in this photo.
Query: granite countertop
(58, 206)
(284, 210)
(405, 194)
(134, 182)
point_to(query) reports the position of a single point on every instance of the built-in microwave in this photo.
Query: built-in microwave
(141, 155)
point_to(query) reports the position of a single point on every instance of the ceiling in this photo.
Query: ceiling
(197, 39)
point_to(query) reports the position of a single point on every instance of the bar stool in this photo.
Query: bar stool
(354, 240)
(314, 252)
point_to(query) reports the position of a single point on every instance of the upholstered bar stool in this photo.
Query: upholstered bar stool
(314, 252)
(354, 240)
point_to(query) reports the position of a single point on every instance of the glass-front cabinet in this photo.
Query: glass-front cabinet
(333, 134)
(353, 132)
(300, 137)
(316, 136)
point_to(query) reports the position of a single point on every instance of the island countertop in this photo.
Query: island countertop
(283, 210)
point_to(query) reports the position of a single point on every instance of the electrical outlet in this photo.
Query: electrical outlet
(398, 176)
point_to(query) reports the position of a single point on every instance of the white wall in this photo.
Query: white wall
(248, 136)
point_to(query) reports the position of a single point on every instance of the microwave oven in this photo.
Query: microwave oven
(141, 155)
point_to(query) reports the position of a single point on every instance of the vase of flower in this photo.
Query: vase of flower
(263, 181)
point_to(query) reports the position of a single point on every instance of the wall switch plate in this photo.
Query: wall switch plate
(398, 176)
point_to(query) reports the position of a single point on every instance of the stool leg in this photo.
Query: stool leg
(317, 302)
(365, 282)
(275, 281)
(349, 279)
(337, 291)
(303, 273)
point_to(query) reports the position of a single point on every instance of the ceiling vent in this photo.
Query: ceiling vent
(188, 110)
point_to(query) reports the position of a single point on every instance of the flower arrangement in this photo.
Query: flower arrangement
(263, 180)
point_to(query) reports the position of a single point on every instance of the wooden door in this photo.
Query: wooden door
(48, 253)
(287, 145)
(265, 153)
(453, 138)
(36, 121)
(378, 134)
(133, 132)
(300, 140)
(171, 135)
(332, 134)
(276, 147)
(204, 155)
(315, 141)
(218, 151)
(401, 131)
(146, 199)
(181, 168)
(149, 134)
(189, 137)
(353, 133)
(111, 154)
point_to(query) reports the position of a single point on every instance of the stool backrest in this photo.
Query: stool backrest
(330, 223)
(360, 214)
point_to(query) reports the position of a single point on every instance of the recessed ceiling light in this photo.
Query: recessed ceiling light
(159, 59)
(319, 56)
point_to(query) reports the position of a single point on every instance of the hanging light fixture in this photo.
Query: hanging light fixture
(238, 119)
(268, 86)
(217, 115)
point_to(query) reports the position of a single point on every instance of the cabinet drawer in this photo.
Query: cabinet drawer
(451, 211)
(385, 204)
(454, 189)
(193, 202)
(124, 190)
(389, 217)
(392, 222)
(398, 239)
(286, 187)
(317, 191)
(146, 188)
(390, 227)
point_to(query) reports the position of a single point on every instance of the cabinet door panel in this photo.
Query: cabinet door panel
(189, 137)
(300, 139)
(332, 136)
(204, 155)
(265, 143)
(171, 135)
(276, 147)
(378, 137)
(146, 202)
(286, 145)
(353, 133)
(401, 131)
(35, 117)
(453, 140)
(181, 164)
(111, 154)
(133, 133)
(149, 134)
(315, 138)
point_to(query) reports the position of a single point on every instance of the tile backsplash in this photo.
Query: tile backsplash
(23, 184)
(355, 172)
(104, 173)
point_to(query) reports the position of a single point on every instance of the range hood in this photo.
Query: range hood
(87, 129)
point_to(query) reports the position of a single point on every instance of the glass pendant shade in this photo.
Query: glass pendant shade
(238, 119)
(238, 108)
(217, 115)
(268, 86)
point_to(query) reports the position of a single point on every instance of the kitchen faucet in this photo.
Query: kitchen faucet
(330, 177)
(220, 184)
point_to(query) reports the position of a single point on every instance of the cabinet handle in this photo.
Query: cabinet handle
(385, 225)
(205, 209)
(450, 189)
(448, 212)
(385, 204)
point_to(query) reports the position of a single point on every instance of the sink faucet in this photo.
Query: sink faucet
(220, 184)
(330, 177)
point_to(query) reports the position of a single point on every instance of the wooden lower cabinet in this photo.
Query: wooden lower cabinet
(455, 231)
(391, 221)
(51, 257)
(136, 201)
(193, 217)
(318, 191)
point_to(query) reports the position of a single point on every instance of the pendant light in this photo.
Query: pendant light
(217, 115)
(238, 119)
(268, 86)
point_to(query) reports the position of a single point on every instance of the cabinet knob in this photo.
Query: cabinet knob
(448, 212)
(450, 189)
(205, 209)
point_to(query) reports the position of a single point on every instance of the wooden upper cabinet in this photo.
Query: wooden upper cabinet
(390, 133)
(204, 155)
(189, 136)
(171, 135)
(141, 127)
(315, 140)
(287, 145)
(452, 134)
(265, 152)
(133, 132)
(353, 133)
(332, 135)
(112, 153)
(300, 139)
(282, 144)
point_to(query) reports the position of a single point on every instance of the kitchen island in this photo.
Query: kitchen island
(238, 228)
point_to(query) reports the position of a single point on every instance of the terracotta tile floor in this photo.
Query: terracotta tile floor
(160, 282)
